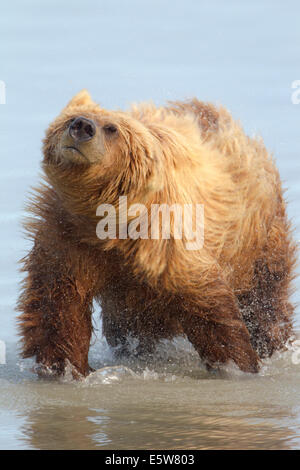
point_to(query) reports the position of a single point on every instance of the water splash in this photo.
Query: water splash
(172, 361)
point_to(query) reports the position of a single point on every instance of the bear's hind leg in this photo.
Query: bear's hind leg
(267, 312)
(135, 323)
(266, 308)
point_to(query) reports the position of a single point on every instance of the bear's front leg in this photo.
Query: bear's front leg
(217, 330)
(56, 306)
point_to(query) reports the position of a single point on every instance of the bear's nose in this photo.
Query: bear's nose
(82, 129)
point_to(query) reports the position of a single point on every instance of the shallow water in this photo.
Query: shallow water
(170, 402)
(245, 56)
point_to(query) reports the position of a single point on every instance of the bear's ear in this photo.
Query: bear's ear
(82, 98)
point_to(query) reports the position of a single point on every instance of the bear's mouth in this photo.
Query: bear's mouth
(72, 149)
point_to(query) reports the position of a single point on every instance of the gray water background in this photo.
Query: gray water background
(244, 55)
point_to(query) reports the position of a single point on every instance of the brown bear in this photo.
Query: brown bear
(230, 296)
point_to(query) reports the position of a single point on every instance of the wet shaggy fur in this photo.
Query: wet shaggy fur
(230, 298)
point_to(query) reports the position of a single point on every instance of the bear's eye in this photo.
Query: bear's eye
(110, 129)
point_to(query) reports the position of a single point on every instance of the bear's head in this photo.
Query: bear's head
(93, 156)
